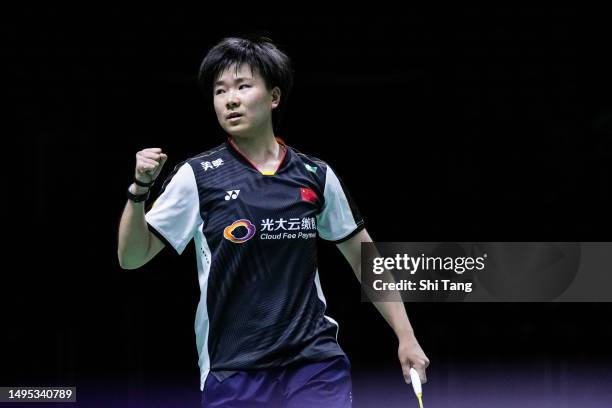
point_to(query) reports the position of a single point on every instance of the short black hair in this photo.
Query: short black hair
(258, 52)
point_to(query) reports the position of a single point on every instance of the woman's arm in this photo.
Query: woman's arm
(136, 244)
(410, 352)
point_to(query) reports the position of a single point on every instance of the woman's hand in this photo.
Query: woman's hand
(411, 354)
(149, 163)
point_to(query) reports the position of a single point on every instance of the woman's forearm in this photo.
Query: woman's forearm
(133, 240)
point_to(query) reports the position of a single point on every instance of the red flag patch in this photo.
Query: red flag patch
(308, 195)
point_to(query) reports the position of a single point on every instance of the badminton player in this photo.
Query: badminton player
(254, 207)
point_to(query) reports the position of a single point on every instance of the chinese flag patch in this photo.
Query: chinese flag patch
(308, 195)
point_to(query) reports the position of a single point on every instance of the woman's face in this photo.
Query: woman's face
(244, 94)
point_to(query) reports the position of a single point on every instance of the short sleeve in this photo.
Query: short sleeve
(339, 219)
(175, 215)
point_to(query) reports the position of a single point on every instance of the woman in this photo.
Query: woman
(254, 207)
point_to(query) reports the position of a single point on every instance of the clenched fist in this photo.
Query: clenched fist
(149, 163)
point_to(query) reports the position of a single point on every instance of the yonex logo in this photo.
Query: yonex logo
(232, 195)
(310, 168)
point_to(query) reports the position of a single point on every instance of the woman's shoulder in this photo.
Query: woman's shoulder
(309, 159)
(207, 153)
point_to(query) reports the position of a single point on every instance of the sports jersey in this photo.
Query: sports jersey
(261, 303)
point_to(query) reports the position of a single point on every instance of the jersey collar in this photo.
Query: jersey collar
(231, 146)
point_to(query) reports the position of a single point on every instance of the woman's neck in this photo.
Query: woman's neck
(259, 150)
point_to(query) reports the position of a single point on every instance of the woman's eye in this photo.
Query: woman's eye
(248, 86)
(218, 91)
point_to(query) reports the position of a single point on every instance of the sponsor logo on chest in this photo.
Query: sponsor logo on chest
(282, 228)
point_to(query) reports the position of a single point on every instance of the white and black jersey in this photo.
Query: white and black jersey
(261, 303)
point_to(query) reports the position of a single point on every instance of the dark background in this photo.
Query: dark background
(458, 124)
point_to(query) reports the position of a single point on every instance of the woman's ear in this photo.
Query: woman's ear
(276, 96)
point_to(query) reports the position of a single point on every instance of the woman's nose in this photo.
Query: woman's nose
(232, 99)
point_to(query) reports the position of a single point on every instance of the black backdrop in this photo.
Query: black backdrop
(446, 125)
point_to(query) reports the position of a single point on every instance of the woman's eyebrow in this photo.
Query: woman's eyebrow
(241, 79)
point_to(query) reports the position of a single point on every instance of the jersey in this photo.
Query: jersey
(261, 302)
